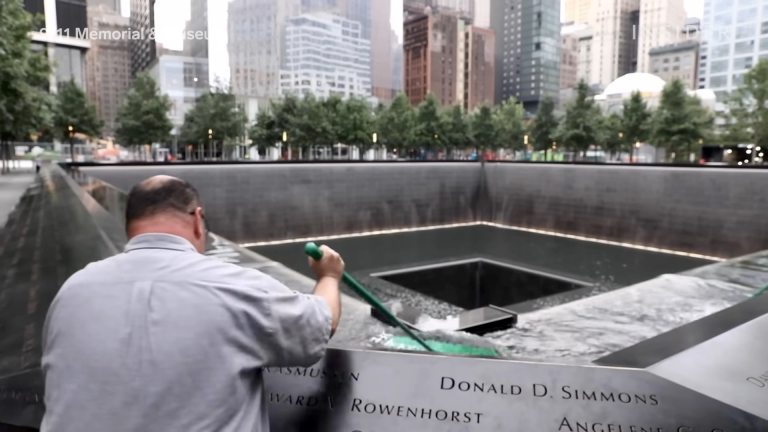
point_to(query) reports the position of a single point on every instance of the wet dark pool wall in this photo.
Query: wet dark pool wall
(718, 212)
(248, 203)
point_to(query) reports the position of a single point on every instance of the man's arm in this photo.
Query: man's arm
(328, 271)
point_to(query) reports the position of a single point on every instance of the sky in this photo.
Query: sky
(695, 8)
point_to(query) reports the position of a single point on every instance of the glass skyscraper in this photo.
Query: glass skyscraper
(527, 50)
(734, 39)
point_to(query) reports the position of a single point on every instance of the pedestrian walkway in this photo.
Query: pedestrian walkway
(12, 187)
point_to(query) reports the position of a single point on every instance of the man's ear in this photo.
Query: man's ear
(199, 224)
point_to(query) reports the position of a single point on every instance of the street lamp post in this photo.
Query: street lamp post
(210, 142)
(71, 133)
(621, 143)
(374, 139)
(525, 151)
(285, 141)
(636, 150)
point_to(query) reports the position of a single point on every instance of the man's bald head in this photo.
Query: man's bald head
(160, 194)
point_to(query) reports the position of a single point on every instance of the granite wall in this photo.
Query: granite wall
(718, 212)
(248, 203)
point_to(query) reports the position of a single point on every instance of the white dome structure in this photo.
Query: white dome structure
(645, 83)
(650, 87)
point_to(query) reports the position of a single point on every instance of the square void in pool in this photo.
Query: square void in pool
(476, 283)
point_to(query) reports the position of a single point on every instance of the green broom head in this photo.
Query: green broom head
(405, 343)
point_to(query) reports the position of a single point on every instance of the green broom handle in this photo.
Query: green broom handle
(313, 251)
(760, 292)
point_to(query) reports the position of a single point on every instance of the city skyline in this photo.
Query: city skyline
(172, 16)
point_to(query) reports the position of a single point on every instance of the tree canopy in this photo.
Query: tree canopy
(143, 117)
(580, 127)
(74, 115)
(215, 120)
(25, 105)
(680, 122)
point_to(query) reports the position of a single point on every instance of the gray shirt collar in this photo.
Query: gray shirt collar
(159, 241)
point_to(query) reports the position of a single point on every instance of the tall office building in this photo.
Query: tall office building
(527, 50)
(661, 23)
(63, 39)
(482, 13)
(463, 8)
(384, 46)
(584, 69)
(355, 10)
(108, 65)
(143, 49)
(734, 39)
(325, 55)
(579, 11)
(480, 78)
(109, 5)
(614, 41)
(183, 79)
(677, 61)
(449, 58)
(197, 24)
(256, 34)
(431, 47)
(569, 56)
(181, 67)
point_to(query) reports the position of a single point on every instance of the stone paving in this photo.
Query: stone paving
(12, 187)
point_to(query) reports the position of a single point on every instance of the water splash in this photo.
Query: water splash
(587, 329)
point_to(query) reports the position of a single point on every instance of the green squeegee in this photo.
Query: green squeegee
(413, 342)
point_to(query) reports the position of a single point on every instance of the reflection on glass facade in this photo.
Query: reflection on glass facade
(735, 37)
(69, 64)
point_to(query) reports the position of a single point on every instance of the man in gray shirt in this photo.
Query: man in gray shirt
(163, 338)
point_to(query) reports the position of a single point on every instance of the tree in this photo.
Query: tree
(25, 105)
(612, 138)
(264, 131)
(635, 122)
(544, 127)
(313, 125)
(736, 129)
(680, 122)
(395, 124)
(356, 125)
(214, 121)
(483, 132)
(74, 115)
(456, 129)
(286, 113)
(580, 126)
(749, 108)
(508, 126)
(429, 126)
(143, 117)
